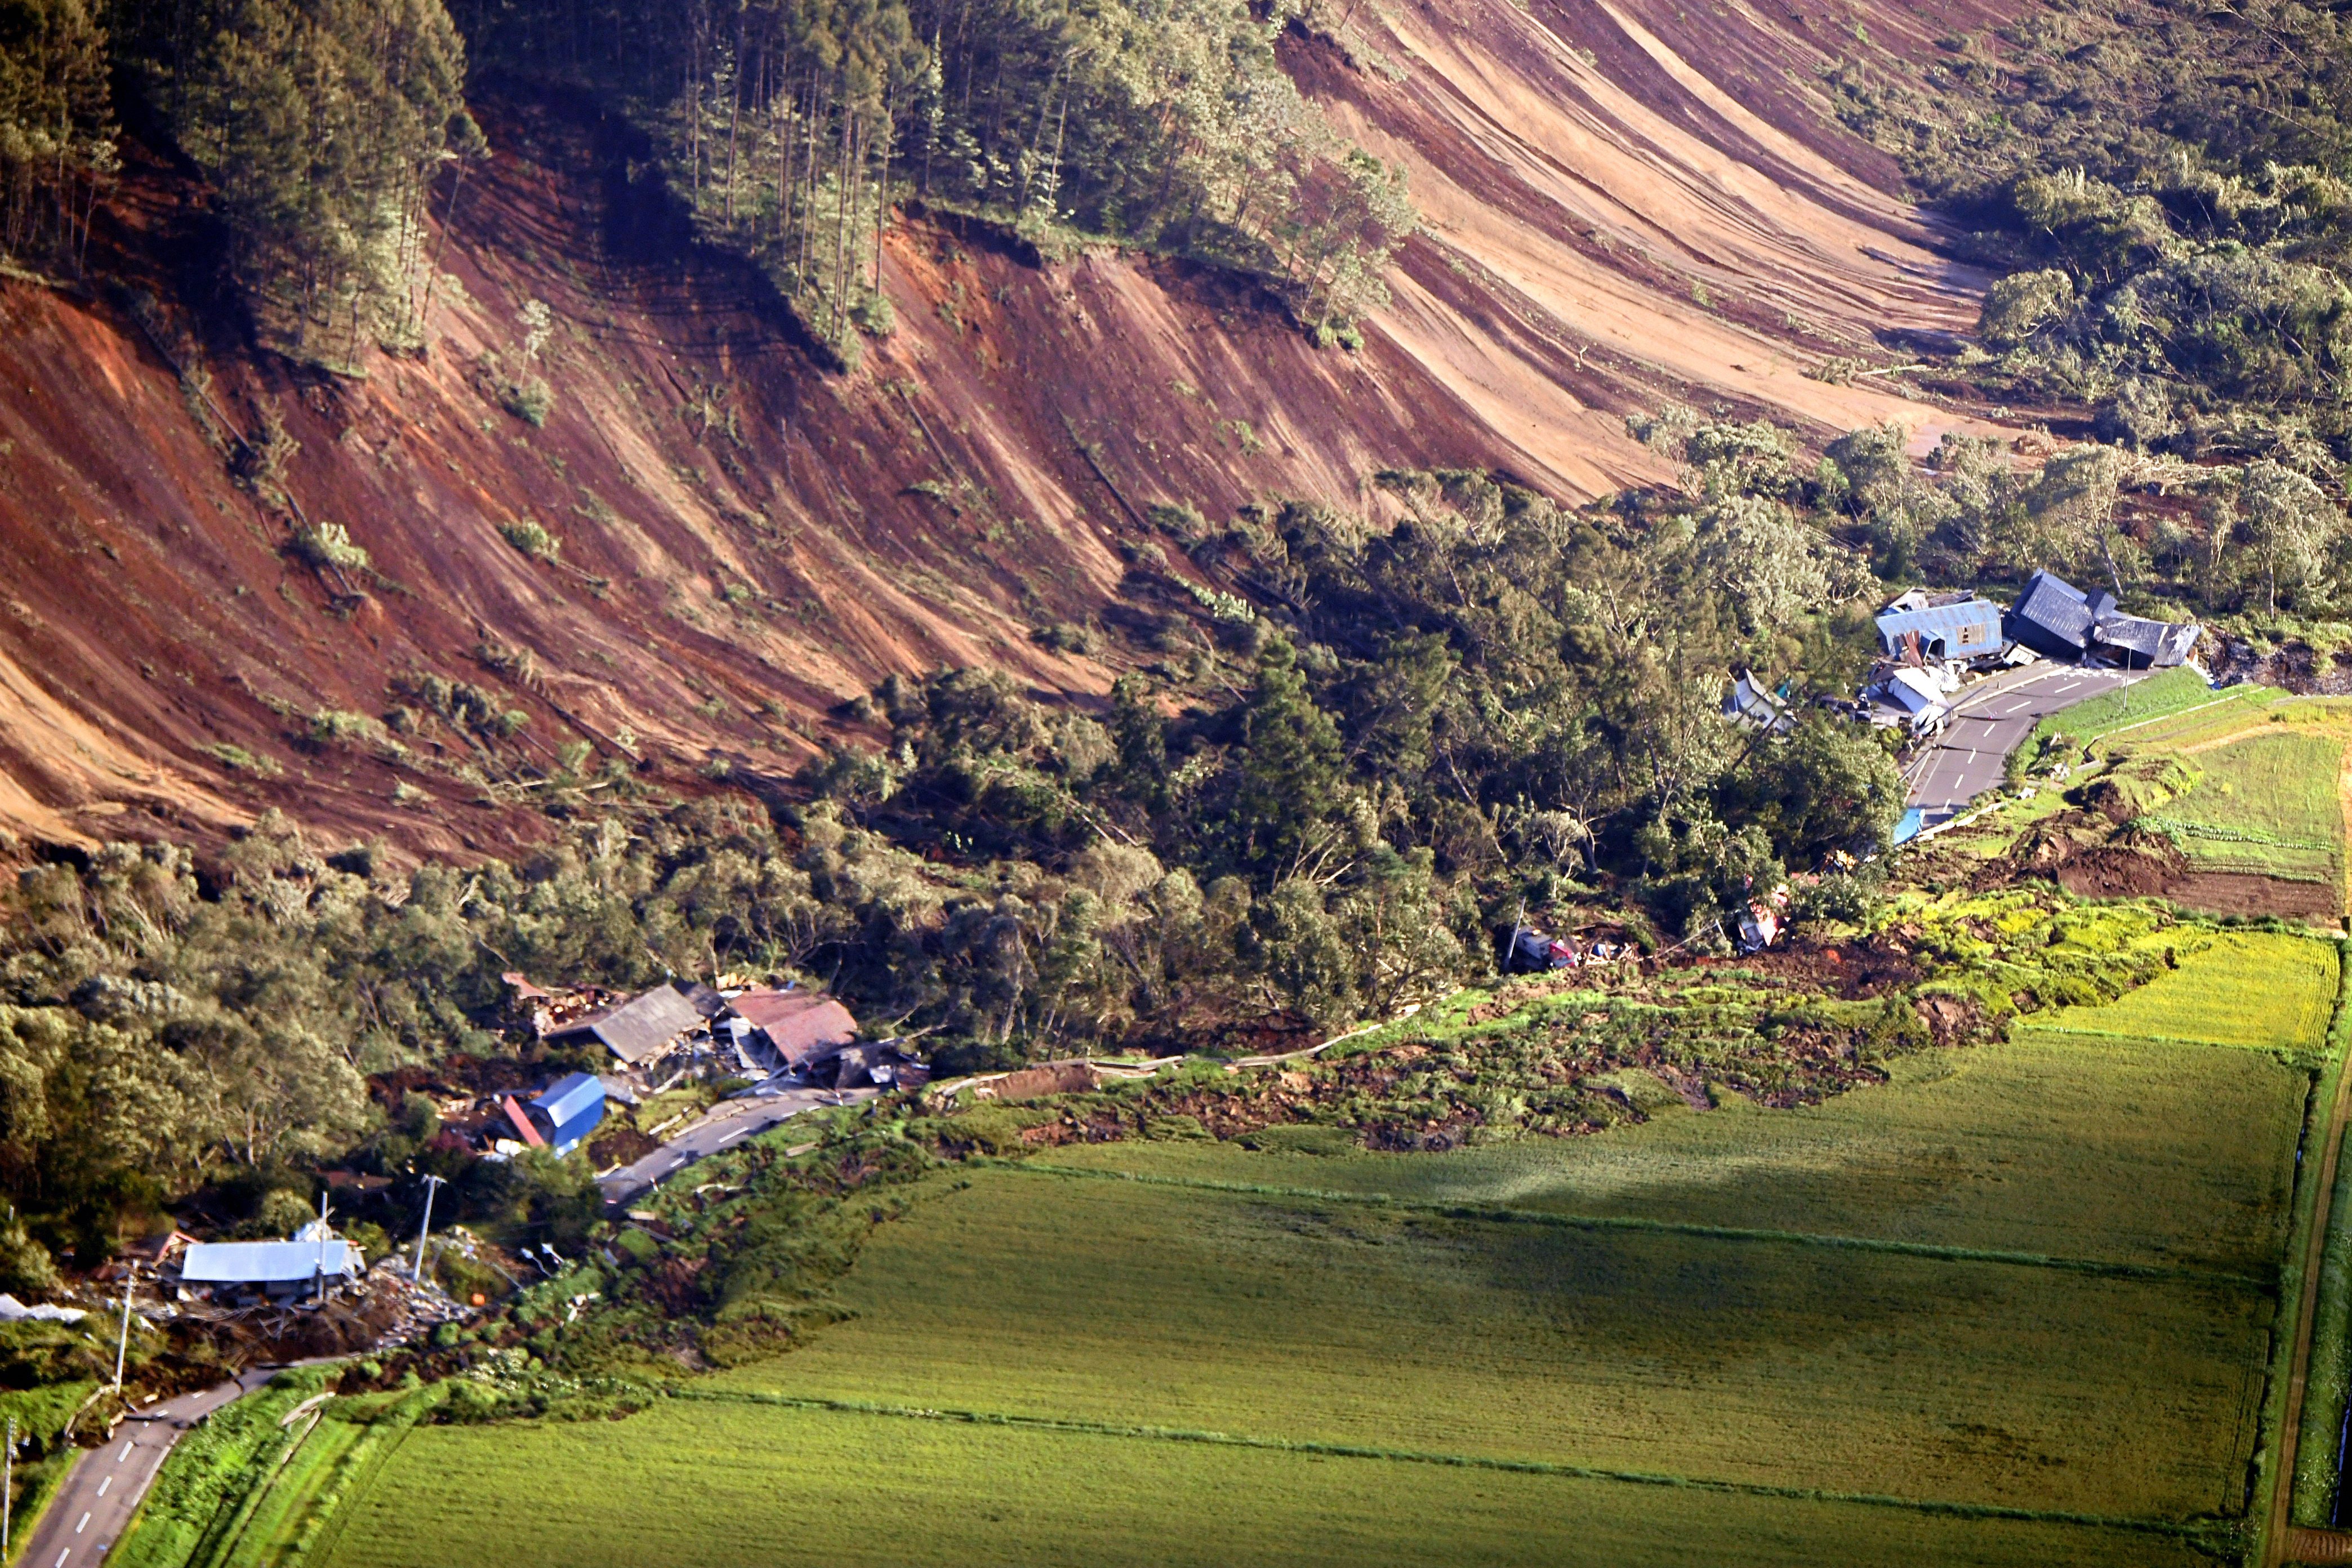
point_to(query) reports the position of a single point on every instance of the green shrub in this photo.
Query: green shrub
(525, 534)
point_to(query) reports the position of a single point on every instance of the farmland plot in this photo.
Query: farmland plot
(2267, 807)
(1765, 1363)
(719, 1486)
(2088, 1146)
(2016, 1306)
(2231, 988)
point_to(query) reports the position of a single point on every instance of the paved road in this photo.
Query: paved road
(727, 1124)
(1990, 721)
(87, 1515)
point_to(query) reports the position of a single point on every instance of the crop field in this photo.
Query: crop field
(2268, 805)
(2255, 989)
(2014, 1306)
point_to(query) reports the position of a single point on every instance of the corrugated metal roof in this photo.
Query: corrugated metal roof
(2056, 609)
(639, 1027)
(1942, 618)
(266, 1262)
(584, 1120)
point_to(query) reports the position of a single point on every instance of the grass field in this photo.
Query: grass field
(2085, 1146)
(2130, 708)
(740, 1486)
(2268, 804)
(2016, 1306)
(2257, 989)
(1764, 1362)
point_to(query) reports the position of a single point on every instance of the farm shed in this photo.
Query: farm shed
(1749, 703)
(278, 1269)
(1965, 626)
(570, 1109)
(799, 1027)
(638, 1029)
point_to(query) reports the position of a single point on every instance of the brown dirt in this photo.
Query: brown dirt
(1582, 171)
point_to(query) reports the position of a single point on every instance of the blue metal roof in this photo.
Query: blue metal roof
(1945, 621)
(572, 1106)
(567, 1097)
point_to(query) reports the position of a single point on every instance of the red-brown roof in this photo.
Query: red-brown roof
(801, 1025)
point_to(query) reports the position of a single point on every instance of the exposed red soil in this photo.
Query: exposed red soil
(1620, 211)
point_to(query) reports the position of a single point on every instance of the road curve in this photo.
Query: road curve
(86, 1517)
(1989, 720)
(727, 1124)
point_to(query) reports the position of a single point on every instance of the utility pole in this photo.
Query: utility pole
(122, 1344)
(7, 1479)
(416, 1270)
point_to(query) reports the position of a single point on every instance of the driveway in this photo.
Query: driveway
(727, 1124)
(86, 1516)
(1989, 720)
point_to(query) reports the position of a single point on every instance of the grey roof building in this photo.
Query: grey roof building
(2055, 619)
(277, 1269)
(638, 1029)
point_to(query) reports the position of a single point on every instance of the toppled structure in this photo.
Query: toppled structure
(2058, 620)
(314, 1263)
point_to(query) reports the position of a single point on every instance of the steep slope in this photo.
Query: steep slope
(1620, 210)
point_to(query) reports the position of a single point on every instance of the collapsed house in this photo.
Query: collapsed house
(562, 1116)
(2058, 620)
(638, 1031)
(315, 1262)
(1751, 704)
(790, 1031)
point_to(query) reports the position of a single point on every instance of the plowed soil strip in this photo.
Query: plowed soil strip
(1495, 1214)
(2137, 1524)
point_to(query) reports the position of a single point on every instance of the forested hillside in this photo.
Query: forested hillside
(1126, 527)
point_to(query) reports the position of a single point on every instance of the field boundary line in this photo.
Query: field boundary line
(2135, 1524)
(2141, 1036)
(1499, 1214)
(2276, 1516)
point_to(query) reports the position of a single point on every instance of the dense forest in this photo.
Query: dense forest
(787, 132)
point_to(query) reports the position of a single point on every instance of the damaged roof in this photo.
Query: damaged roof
(801, 1025)
(1946, 631)
(638, 1028)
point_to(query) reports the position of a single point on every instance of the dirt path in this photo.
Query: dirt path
(2276, 1536)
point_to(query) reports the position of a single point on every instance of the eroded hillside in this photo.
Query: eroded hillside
(711, 543)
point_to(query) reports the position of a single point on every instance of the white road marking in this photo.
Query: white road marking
(104, 1484)
(738, 1132)
(83, 1525)
(674, 1165)
(60, 1563)
(126, 1451)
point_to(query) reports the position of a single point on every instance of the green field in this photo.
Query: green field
(2029, 1278)
(2130, 708)
(739, 1486)
(2267, 805)
(2233, 988)
(2016, 1305)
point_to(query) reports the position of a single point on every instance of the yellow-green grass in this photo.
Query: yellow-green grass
(2258, 989)
(1765, 1363)
(2268, 804)
(703, 1484)
(2075, 1145)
